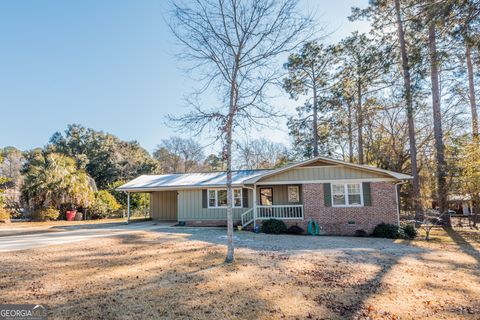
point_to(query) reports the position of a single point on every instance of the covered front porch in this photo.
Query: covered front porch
(280, 201)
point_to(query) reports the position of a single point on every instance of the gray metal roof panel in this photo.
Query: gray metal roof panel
(189, 180)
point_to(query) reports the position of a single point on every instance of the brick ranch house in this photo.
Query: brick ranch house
(341, 197)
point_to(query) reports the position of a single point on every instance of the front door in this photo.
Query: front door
(266, 196)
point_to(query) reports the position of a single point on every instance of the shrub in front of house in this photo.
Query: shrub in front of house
(390, 231)
(274, 226)
(410, 231)
(295, 230)
(361, 233)
(45, 214)
(104, 205)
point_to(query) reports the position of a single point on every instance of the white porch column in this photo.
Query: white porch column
(254, 205)
(128, 207)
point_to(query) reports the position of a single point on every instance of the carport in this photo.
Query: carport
(163, 204)
(129, 205)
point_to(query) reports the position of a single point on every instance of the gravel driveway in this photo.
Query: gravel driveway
(243, 239)
(292, 243)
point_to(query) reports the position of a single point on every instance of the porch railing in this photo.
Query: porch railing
(283, 212)
(247, 217)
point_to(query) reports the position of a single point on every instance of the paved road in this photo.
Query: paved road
(27, 241)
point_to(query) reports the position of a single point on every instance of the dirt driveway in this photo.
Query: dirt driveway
(174, 273)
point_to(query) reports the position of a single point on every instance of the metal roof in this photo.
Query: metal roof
(239, 177)
(188, 180)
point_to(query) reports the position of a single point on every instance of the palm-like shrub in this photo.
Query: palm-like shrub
(53, 180)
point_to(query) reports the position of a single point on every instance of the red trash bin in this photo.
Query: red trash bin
(71, 215)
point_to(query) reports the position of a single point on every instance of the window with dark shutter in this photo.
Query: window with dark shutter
(204, 199)
(327, 194)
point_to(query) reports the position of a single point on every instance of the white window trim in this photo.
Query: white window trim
(345, 190)
(216, 198)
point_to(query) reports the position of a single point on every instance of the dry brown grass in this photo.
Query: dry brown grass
(148, 275)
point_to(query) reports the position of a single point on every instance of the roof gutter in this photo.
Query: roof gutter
(142, 189)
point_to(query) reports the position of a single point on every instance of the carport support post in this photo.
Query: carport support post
(254, 205)
(128, 207)
(145, 204)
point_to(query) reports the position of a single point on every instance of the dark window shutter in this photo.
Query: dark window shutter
(245, 197)
(204, 199)
(327, 194)
(367, 195)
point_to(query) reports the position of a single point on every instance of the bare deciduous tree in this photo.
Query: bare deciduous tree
(179, 155)
(261, 154)
(234, 45)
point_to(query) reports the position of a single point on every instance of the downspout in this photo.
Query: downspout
(397, 191)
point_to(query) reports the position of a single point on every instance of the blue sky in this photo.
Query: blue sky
(109, 65)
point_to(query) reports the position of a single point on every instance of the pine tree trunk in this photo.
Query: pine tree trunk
(360, 125)
(350, 133)
(437, 120)
(471, 91)
(415, 195)
(315, 120)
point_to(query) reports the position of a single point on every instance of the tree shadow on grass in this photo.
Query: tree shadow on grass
(464, 244)
(161, 275)
(338, 298)
(173, 285)
(352, 299)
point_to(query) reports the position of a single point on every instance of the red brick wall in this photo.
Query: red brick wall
(334, 220)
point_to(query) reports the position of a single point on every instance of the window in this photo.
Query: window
(237, 197)
(293, 194)
(266, 196)
(347, 194)
(221, 198)
(212, 198)
(338, 193)
(354, 194)
(217, 198)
